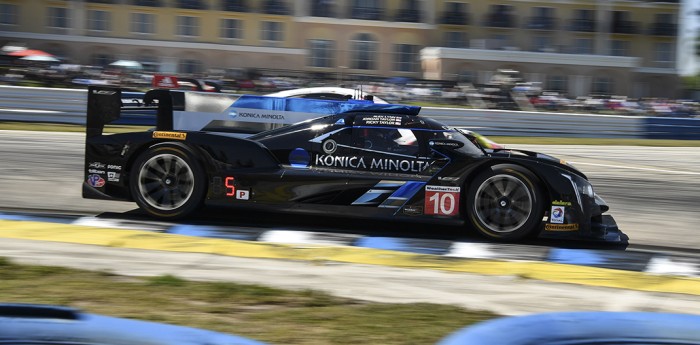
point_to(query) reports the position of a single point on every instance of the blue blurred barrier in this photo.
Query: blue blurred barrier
(30, 104)
(672, 128)
(559, 328)
(50, 324)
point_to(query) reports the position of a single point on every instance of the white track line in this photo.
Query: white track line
(638, 168)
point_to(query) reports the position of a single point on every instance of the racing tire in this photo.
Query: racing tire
(505, 203)
(168, 182)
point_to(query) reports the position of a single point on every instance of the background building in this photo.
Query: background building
(576, 47)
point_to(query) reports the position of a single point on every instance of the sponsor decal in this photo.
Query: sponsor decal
(382, 120)
(103, 92)
(561, 227)
(113, 176)
(561, 203)
(242, 194)
(442, 200)
(230, 187)
(252, 115)
(413, 210)
(169, 135)
(382, 164)
(557, 215)
(164, 81)
(233, 114)
(329, 146)
(95, 171)
(453, 144)
(114, 167)
(96, 165)
(299, 158)
(96, 181)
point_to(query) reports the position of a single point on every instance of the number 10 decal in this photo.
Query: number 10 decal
(442, 200)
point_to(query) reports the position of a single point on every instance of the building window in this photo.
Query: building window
(234, 5)
(409, 12)
(542, 18)
(584, 21)
(456, 39)
(149, 3)
(367, 9)
(275, 7)
(143, 23)
(364, 52)
(58, 17)
(500, 41)
(272, 31)
(619, 48)
(621, 23)
(456, 13)
(501, 16)
(98, 20)
(191, 4)
(8, 14)
(557, 83)
(602, 85)
(405, 58)
(187, 26)
(231, 29)
(663, 54)
(321, 53)
(583, 46)
(189, 66)
(542, 44)
(323, 8)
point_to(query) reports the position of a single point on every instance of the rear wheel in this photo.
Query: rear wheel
(505, 203)
(167, 182)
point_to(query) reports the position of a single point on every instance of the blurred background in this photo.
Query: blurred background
(621, 57)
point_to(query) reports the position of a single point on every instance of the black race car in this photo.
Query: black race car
(342, 158)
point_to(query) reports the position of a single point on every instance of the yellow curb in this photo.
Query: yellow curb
(552, 272)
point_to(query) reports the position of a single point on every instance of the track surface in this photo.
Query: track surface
(653, 193)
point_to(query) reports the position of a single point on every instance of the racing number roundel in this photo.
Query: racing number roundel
(441, 200)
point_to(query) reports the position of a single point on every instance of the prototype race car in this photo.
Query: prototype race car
(338, 158)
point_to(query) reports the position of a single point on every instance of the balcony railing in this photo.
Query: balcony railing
(235, 6)
(582, 25)
(624, 27)
(541, 23)
(149, 3)
(327, 11)
(276, 7)
(408, 15)
(191, 4)
(663, 29)
(499, 20)
(455, 18)
(367, 13)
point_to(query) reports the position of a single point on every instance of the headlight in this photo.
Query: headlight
(581, 187)
(585, 187)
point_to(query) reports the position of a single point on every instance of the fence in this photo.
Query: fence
(29, 104)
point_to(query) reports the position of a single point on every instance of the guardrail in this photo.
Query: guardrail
(31, 104)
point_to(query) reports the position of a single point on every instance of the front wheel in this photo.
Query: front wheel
(505, 203)
(167, 182)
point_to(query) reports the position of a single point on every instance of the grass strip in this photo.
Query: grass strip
(270, 315)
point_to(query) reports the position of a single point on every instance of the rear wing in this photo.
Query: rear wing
(181, 110)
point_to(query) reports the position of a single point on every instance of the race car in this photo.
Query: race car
(334, 158)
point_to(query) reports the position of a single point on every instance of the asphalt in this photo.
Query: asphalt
(501, 286)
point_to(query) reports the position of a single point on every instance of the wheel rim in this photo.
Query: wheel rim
(166, 182)
(503, 203)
